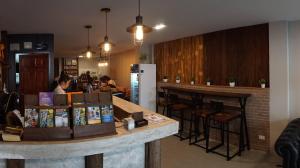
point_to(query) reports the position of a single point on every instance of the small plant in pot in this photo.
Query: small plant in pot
(193, 81)
(177, 79)
(208, 82)
(165, 79)
(232, 82)
(262, 83)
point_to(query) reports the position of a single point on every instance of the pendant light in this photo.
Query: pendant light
(139, 29)
(106, 45)
(103, 60)
(89, 53)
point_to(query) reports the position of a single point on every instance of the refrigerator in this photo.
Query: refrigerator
(143, 85)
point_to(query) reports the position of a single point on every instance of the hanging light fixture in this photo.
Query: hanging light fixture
(88, 53)
(139, 29)
(106, 45)
(103, 60)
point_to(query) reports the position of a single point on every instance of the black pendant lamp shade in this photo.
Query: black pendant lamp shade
(139, 29)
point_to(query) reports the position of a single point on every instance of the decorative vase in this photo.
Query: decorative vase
(232, 84)
(208, 83)
(165, 80)
(177, 80)
(192, 82)
(263, 85)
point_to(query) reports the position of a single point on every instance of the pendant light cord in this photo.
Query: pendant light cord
(88, 38)
(106, 23)
(139, 7)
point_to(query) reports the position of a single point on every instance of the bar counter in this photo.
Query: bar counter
(257, 107)
(125, 149)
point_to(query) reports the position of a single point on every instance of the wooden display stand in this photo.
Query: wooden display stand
(93, 130)
(46, 134)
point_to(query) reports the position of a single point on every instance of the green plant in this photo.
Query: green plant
(231, 79)
(262, 81)
(208, 80)
(143, 56)
(177, 77)
(193, 79)
(165, 77)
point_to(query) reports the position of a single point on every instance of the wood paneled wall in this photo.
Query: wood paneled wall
(183, 57)
(240, 53)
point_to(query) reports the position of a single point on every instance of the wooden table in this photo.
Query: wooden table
(199, 94)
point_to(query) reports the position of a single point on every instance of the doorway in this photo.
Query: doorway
(33, 71)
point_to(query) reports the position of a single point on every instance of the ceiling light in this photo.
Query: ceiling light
(106, 45)
(139, 29)
(159, 26)
(80, 56)
(88, 53)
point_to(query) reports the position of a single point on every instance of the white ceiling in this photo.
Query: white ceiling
(66, 18)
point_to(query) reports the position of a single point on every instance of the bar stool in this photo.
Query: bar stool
(161, 102)
(202, 114)
(224, 119)
(176, 106)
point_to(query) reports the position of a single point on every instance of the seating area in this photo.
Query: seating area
(202, 118)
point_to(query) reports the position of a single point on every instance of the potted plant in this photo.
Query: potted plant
(262, 83)
(231, 82)
(165, 79)
(177, 79)
(193, 81)
(208, 82)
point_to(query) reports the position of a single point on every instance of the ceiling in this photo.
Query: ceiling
(66, 18)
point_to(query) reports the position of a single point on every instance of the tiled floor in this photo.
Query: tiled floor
(179, 154)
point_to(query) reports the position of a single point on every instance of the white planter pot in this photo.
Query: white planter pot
(208, 83)
(177, 81)
(232, 84)
(192, 82)
(263, 85)
(165, 80)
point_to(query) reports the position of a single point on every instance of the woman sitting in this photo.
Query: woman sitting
(63, 83)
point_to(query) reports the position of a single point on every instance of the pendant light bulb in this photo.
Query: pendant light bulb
(107, 47)
(139, 33)
(88, 54)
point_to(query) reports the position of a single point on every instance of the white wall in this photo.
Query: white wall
(284, 43)
(92, 66)
(279, 78)
(294, 53)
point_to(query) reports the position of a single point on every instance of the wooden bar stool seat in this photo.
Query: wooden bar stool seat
(225, 117)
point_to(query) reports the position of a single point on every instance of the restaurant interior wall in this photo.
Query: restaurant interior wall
(119, 68)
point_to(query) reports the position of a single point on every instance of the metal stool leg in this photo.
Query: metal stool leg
(207, 136)
(227, 152)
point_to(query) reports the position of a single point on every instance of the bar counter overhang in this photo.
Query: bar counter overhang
(125, 149)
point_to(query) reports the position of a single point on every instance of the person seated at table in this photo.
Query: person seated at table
(63, 84)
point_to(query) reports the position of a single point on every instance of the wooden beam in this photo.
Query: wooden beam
(15, 163)
(94, 161)
(153, 154)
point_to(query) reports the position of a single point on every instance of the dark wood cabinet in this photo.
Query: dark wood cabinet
(34, 73)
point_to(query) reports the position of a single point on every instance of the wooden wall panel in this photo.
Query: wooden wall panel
(241, 53)
(183, 57)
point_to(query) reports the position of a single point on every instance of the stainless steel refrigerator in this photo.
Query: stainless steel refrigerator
(143, 85)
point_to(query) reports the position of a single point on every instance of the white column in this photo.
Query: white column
(279, 79)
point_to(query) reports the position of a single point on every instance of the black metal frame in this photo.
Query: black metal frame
(197, 99)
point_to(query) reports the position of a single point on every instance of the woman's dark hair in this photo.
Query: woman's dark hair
(64, 78)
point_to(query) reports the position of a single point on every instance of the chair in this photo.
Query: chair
(176, 106)
(161, 102)
(223, 117)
